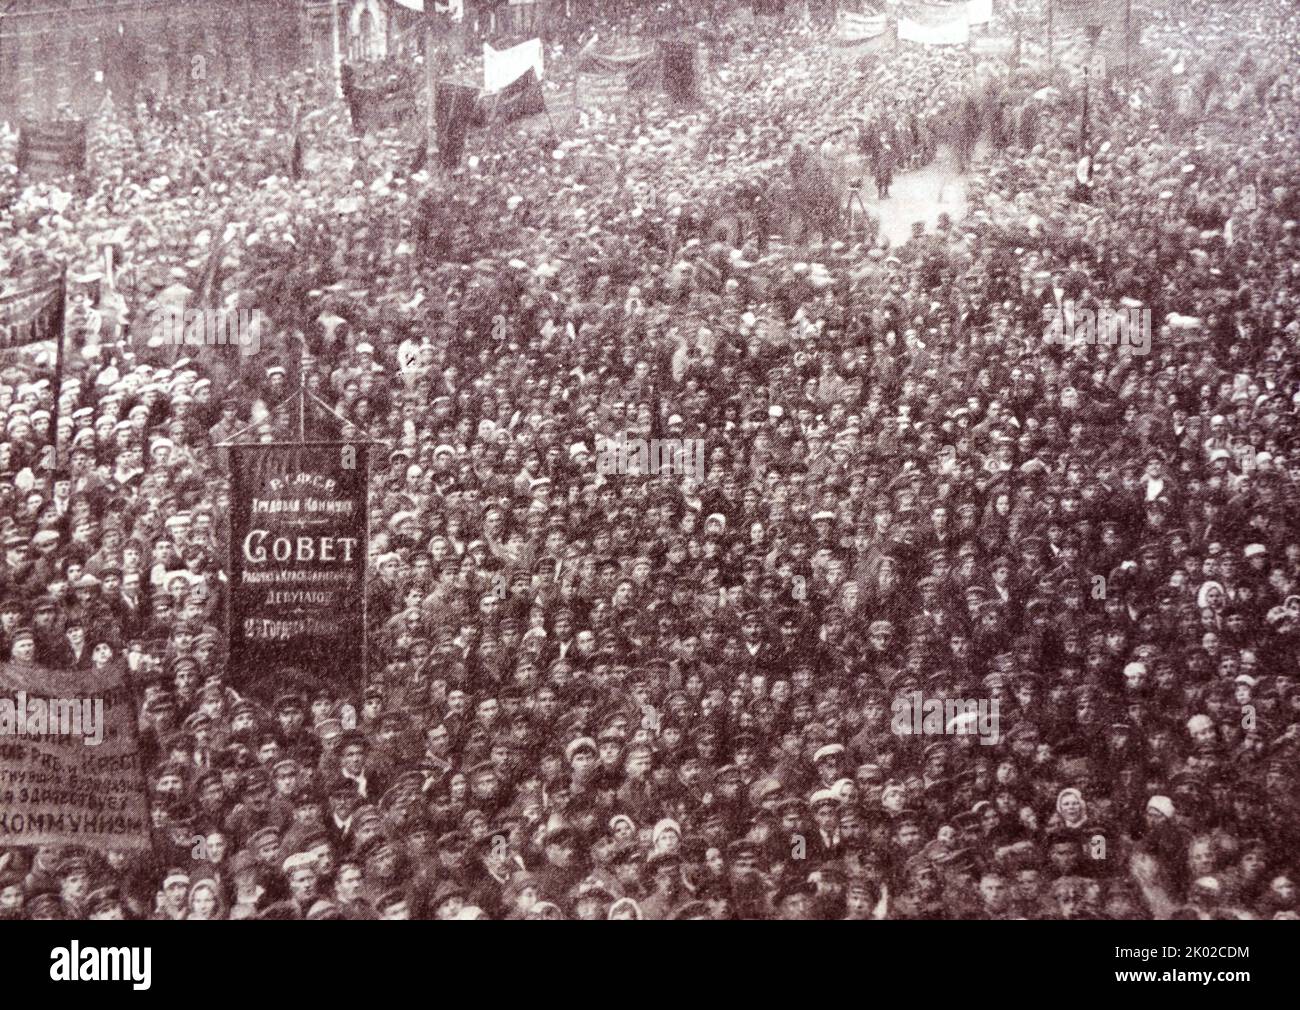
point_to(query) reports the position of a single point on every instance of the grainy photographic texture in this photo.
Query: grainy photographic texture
(603, 459)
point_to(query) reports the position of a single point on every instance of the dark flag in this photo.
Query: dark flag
(679, 69)
(454, 113)
(521, 97)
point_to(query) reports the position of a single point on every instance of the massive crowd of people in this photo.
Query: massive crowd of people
(696, 692)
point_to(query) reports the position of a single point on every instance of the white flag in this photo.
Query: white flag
(504, 68)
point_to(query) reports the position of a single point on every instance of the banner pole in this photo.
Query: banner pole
(232, 466)
(365, 581)
(430, 71)
(302, 391)
(1128, 33)
(1049, 35)
(58, 362)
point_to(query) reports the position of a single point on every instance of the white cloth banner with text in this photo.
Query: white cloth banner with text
(856, 27)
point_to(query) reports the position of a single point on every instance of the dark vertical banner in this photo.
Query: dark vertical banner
(31, 311)
(454, 110)
(679, 70)
(299, 545)
(384, 104)
(48, 150)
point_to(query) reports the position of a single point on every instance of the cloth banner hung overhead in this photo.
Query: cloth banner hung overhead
(48, 150)
(30, 313)
(859, 27)
(70, 763)
(503, 68)
(640, 71)
(934, 24)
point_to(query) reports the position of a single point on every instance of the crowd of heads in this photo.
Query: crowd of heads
(719, 569)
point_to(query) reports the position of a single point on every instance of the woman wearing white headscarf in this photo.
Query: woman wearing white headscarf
(1211, 596)
(1072, 809)
(204, 901)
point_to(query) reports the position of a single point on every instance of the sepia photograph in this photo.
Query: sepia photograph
(786, 460)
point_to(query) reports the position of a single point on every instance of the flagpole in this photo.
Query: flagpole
(365, 576)
(302, 390)
(58, 361)
(1128, 32)
(430, 76)
(1049, 35)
